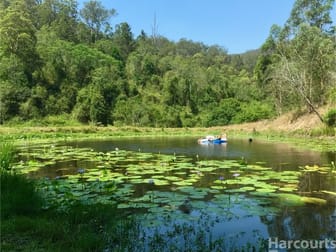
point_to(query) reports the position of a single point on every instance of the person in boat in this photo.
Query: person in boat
(210, 138)
(221, 137)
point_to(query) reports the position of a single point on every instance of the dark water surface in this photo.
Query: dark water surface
(236, 219)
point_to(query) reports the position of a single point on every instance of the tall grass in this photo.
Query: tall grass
(18, 196)
(7, 156)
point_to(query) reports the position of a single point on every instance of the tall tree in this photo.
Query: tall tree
(123, 40)
(308, 70)
(97, 17)
(17, 32)
(298, 60)
(314, 13)
(61, 16)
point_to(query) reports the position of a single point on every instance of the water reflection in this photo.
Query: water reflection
(240, 212)
(276, 155)
(308, 223)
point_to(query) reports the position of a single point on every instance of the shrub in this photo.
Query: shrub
(330, 118)
(224, 112)
(253, 111)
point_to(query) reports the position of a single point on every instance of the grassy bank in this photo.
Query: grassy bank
(320, 138)
(296, 125)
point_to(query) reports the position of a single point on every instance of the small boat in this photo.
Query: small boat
(212, 140)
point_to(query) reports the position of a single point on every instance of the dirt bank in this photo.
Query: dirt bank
(289, 122)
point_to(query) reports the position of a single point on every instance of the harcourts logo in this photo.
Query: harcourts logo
(275, 245)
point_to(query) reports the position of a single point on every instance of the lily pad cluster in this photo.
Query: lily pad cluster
(165, 185)
(63, 193)
(319, 169)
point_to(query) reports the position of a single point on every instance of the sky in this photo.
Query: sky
(236, 25)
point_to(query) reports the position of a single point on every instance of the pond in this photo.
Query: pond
(241, 191)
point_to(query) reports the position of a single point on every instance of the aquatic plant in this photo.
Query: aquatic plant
(155, 186)
(7, 156)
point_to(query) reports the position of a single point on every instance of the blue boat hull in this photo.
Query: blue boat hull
(218, 141)
(215, 141)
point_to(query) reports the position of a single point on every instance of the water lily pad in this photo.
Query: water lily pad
(123, 205)
(288, 188)
(157, 209)
(247, 188)
(172, 178)
(263, 194)
(159, 182)
(197, 195)
(265, 190)
(290, 199)
(217, 187)
(313, 200)
(257, 168)
(182, 183)
(329, 192)
(158, 177)
(316, 168)
(232, 181)
(186, 189)
(208, 169)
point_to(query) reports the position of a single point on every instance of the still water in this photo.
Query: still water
(230, 200)
(276, 155)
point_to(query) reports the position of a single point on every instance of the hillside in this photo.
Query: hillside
(289, 122)
(56, 61)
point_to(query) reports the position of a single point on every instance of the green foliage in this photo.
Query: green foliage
(330, 118)
(17, 32)
(90, 106)
(331, 94)
(225, 112)
(232, 111)
(18, 196)
(51, 64)
(96, 17)
(123, 40)
(298, 60)
(91, 227)
(312, 12)
(253, 111)
(7, 156)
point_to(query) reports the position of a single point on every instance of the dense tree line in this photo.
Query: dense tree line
(58, 60)
(297, 64)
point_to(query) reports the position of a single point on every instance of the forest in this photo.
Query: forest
(60, 61)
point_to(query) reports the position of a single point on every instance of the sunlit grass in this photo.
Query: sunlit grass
(7, 156)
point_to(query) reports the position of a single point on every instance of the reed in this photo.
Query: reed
(7, 156)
